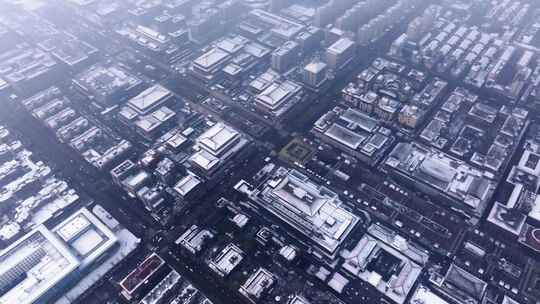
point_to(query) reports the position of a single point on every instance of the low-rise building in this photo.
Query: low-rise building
(227, 260)
(207, 66)
(150, 99)
(355, 133)
(58, 265)
(215, 146)
(278, 97)
(387, 261)
(257, 284)
(307, 207)
(107, 85)
(462, 187)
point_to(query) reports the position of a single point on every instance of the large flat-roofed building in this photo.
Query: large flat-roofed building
(206, 66)
(150, 99)
(152, 42)
(233, 44)
(187, 185)
(205, 162)
(278, 97)
(86, 237)
(215, 146)
(425, 295)
(107, 84)
(462, 286)
(387, 261)
(279, 26)
(354, 132)
(462, 187)
(58, 265)
(33, 267)
(311, 209)
(340, 53)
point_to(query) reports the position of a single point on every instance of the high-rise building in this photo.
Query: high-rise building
(340, 53)
(314, 73)
(284, 57)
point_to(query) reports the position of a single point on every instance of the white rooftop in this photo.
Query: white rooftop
(257, 284)
(86, 236)
(150, 98)
(211, 58)
(341, 46)
(345, 136)
(217, 138)
(423, 295)
(43, 260)
(299, 300)
(312, 209)
(186, 184)
(277, 93)
(204, 160)
(315, 67)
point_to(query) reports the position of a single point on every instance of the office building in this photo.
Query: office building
(462, 187)
(58, 265)
(150, 99)
(386, 261)
(307, 207)
(207, 66)
(278, 97)
(339, 54)
(354, 133)
(215, 146)
(286, 56)
(314, 74)
(259, 283)
(107, 85)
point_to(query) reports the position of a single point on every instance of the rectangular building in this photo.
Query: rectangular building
(215, 146)
(462, 187)
(340, 53)
(310, 209)
(108, 85)
(278, 97)
(47, 264)
(150, 99)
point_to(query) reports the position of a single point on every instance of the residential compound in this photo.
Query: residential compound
(96, 144)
